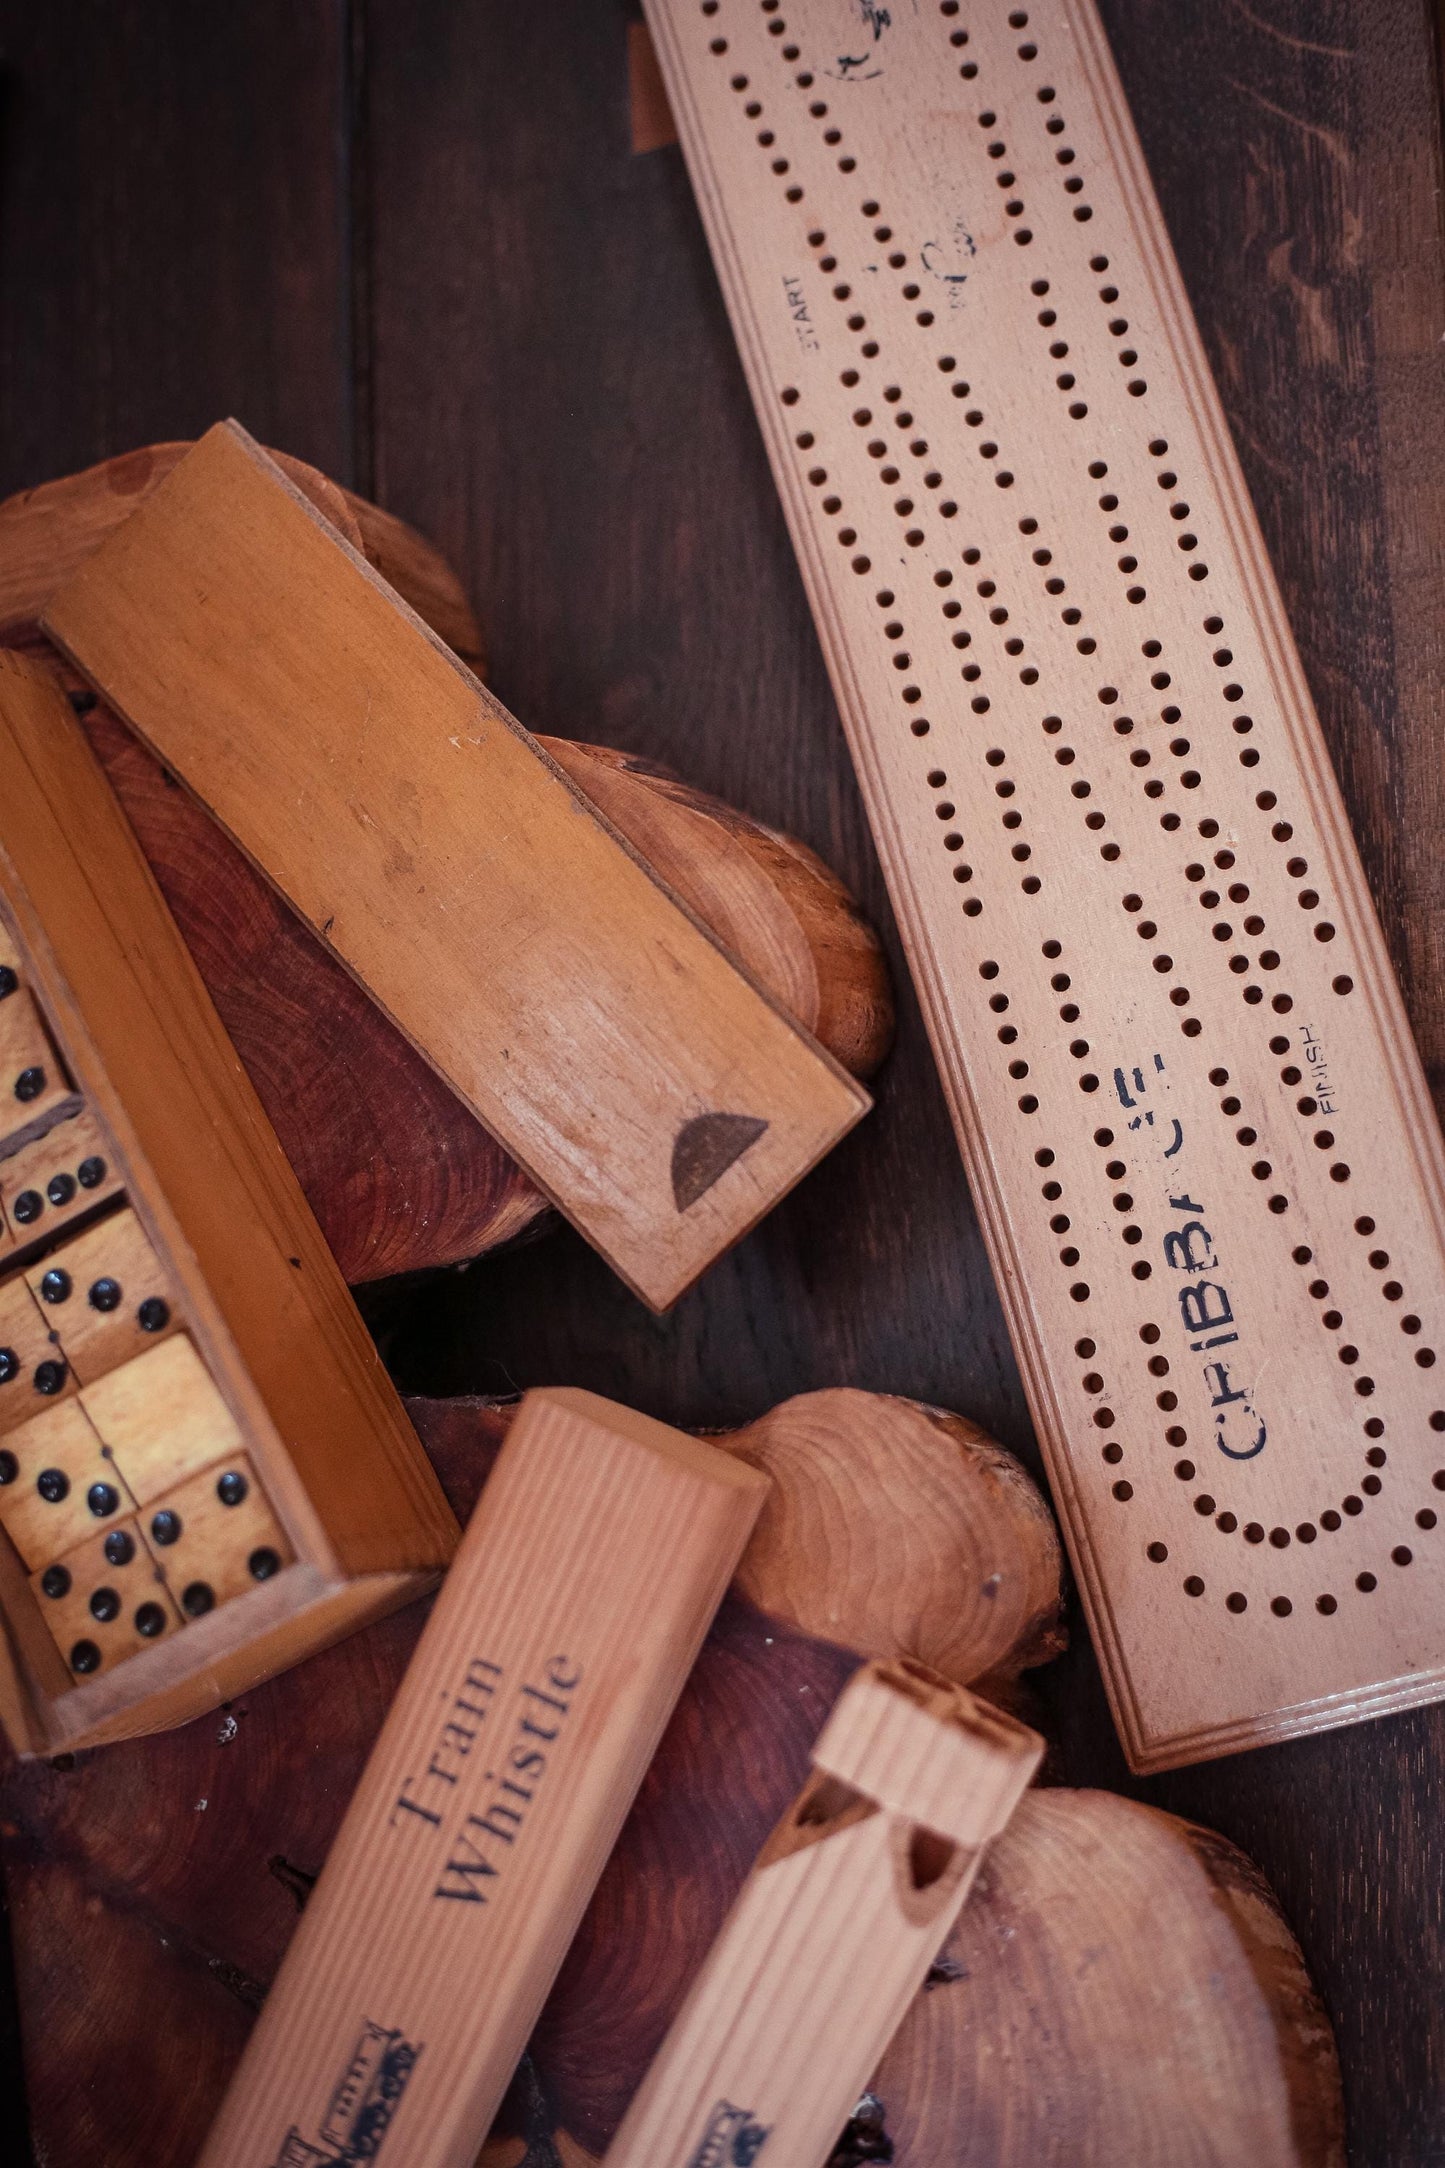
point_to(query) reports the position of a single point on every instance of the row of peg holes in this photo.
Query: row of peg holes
(842, 295)
(1069, 1255)
(912, 692)
(1227, 1522)
(1232, 692)
(1179, 510)
(1052, 1189)
(937, 779)
(864, 417)
(1324, 932)
(1222, 658)
(1109, 503)
(975, 417)
(1030, 883)
(1158, 448)
(1028, 1103)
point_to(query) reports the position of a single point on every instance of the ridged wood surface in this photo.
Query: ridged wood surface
(183, 1861)
(583, 1588)
(835, 1930)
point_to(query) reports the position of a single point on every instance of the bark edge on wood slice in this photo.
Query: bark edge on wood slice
(400, 1175)
(46, 534)
(191, 1901)
(869, 1478)
(1122, 1987)
(605, 1033)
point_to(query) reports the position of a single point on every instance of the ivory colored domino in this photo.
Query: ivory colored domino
(1198, 1134)
(562, 1637)
(834, 1931)
(181, 1365)
(660, 1098)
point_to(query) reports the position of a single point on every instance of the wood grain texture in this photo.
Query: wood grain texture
(273, 1360)
(1087, 1871)
(647, 1085)
(343, 1088)
(195, 1850)
(589, 460)
(1296, 150)
(834, 1931)
(214, 1899)
(46, 534)
(203, 180)
(585, 1583)
(159, 1417)
(1197, 898)
(893, 1527)
(399, 1174)
(768, 899)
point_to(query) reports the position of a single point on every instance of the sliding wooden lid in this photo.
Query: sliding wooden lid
(656, 1094)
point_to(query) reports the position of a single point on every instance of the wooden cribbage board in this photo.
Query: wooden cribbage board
(1196, 1128)
(204, 1471)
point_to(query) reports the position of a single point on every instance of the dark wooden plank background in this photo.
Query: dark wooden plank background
(410, 241)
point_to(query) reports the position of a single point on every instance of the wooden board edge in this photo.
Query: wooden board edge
(329, 1612)
(1318, 783)
(328, 1298)
(1413, 1690)
(855, 1099)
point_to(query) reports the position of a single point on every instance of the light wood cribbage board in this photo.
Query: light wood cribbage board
(204, 1472)
(1196, 1127)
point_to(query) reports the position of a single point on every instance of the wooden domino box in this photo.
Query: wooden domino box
(204, 1471)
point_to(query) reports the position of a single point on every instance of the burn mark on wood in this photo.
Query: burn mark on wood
(705, 1148)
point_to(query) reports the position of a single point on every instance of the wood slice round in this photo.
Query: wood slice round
(46, 534)
(1123, 1988)
(400, 1174)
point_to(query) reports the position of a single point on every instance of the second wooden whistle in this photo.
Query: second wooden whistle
(835, 1928)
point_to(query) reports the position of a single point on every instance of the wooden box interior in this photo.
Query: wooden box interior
(318, 1420)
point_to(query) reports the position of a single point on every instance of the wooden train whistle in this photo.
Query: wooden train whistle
(580, 1595)
(649, 1086)
(834, 1930)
